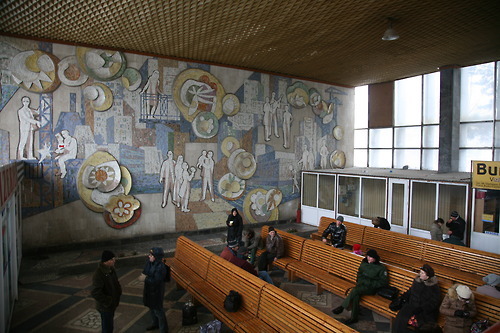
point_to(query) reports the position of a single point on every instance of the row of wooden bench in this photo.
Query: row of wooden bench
(265, 308)
(453, 262)
(335, 270)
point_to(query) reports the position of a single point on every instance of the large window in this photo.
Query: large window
(309, 189)
(372, 197)
(326, 193)
(348, 196)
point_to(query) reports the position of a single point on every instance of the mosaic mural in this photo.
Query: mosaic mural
(103, 126)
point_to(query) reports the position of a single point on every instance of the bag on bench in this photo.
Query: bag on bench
(388, 292)
(233, 301)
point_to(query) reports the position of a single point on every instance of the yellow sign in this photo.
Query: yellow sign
(486, 175)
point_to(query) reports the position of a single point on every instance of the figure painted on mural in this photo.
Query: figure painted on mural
(323, 152)
(167, 178)
(275, 104)
(287, 125)
(67, 152)
(307, 160)
(310, 159)
(185, 189)
(178, 180)
(267, 120)
(152, 91)
(207, 176)
(28, 124)
(201, 160)
(295, 180)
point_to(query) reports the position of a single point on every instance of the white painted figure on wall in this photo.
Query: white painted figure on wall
(178, 180)
(323, 152)
(295, 181)
(275, 104)
(67, 152)
(267, 120)
(28, 124)
(185, 189)
(287, 125)
(207, 174)
(167, 178)
(307, 160)
(152, 92)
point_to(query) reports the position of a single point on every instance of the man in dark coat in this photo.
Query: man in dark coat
(337, 232)
(372, 276)
(234, 224)
(381, 222)
(275, 249)
(106, 290)
(456, 224)
(154, 276)
(422, 300)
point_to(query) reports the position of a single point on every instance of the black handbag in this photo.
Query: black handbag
(388, 292)
(232, 301)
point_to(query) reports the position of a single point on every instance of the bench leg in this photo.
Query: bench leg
(291, 276)
(319, 289)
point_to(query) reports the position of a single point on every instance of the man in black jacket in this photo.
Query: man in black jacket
(106, 290)
(456, 224)
(337, 231)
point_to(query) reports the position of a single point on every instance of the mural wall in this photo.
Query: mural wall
(118, 145)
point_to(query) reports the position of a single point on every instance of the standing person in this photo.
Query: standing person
(234, 224)
(381, 222)
(456, 224)
(421, 300)
(372, 276)
(337, 232)
(459, 308)
(154, 276)
(274, 249)
(106, 290)
(437, 229)
(251, 242)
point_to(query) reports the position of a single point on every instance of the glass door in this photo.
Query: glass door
(398, 205)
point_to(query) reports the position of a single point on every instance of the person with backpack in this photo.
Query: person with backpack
(154, 277)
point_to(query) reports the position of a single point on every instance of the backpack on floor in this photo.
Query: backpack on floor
(189, 314)
(213, 326)
(233, 301)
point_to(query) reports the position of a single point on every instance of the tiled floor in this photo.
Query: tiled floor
(64, 304)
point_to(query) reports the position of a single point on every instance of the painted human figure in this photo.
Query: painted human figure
(306, 159)
(323, 151)
(275, 104)
(201, 161)
(310, 160)
(287, 124)
(185, 189)
(293, 174)
(207, 176)
(27, 126)
(267, 120)
(67, 152)
(152, 90)
(167, 177)
(178, 180)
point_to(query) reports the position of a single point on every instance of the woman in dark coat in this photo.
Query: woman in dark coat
(422, 300)
(234, 224)
(154, 276)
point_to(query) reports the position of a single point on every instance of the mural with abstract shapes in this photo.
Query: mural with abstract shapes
(106, 126)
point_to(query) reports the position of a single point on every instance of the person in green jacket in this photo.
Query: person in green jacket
(372, 276)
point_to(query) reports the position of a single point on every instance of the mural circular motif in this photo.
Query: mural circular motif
(35, 71)
(231, 187)
(69, 73)
(103, 65)
(205, 125)
(229, 145)
(230, 105)
(242, 164)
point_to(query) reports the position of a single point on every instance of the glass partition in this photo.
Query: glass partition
(309, 189)
(423, 205)
(348, 196)
(451, 197)
(326, 193)
(373, 193)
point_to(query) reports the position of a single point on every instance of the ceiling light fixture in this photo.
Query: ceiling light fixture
(390, 33)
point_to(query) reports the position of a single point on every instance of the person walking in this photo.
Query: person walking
(420, 302)
(372, 276)
(106, 290)
(154, 276)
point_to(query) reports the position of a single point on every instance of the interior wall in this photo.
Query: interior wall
(238, 139)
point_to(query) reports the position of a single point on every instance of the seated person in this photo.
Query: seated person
(251, 242)
(459, 308)
(337, 232)
(356, 249)
(491, 286)
(372, 276)
(381, 222)
(453, 240)
(274, 249)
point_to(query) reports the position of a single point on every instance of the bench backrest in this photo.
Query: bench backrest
(316, 254)
(344, 264)
(289, 314)
(197, 256)
(292, 243)
(226, 276)
(379, 239)
(487, 308)
(355, 233)
(440, 254)
(399, 277)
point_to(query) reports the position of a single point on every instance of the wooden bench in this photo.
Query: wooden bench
(190, 262)
(354, 231)
(292, 244)
(289, 314)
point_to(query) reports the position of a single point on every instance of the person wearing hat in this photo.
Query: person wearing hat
(337, 232)
(231, 250)
(381, 222)
(421, 301)
(456, 224)
(491, 286)
(237, 255)
(459, 308)
(275, 249)
(437, 229)
(234, 224)
(154, 275)
(371, 276)
(106, 290)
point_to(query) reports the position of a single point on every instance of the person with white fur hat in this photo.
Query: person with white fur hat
(491, 287)
(459, 308)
